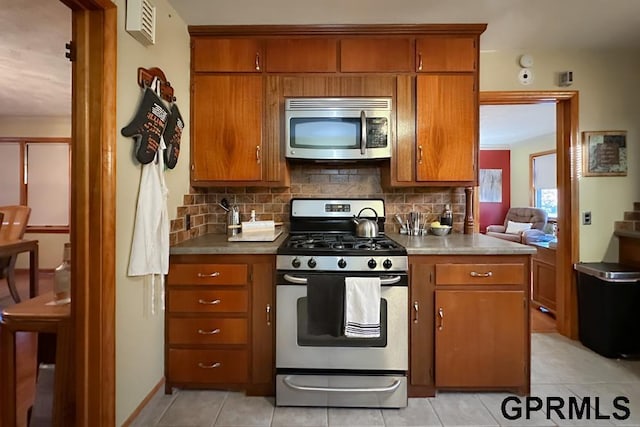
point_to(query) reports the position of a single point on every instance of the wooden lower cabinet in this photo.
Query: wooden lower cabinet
(480, 338)
(219, 324)
(469, 323)
(421, 368)
(544, 278)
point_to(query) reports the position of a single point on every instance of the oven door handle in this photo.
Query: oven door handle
(296, 280)
(303, 280)
(384, 389)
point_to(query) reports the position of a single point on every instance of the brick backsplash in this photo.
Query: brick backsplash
(316, 181)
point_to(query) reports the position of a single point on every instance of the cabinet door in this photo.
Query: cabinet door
(480, 338)
(316, 55)
(544, 278)
(446, 53)
(263, 322)
(226, 55)
(227, 128)
(446, 128)
(421, 326)
(377, 55)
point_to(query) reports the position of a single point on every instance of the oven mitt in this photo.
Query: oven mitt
(147, 126)
(172, 134)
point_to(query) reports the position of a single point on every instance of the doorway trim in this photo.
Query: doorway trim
(567, 149)
(93, 216)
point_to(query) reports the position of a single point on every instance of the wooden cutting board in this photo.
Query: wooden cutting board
(256, 236)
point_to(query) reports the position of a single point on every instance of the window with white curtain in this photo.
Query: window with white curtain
(36, 172)
(545, 188)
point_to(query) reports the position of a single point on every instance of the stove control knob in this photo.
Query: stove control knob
(295, 263)
(372, 263)
(342, 263)
(311, 263)
(387, 263)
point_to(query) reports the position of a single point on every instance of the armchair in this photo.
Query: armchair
(517, 216)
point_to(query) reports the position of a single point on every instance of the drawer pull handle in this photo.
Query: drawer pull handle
(203, 275)
(209, 366)
(212, 332)
(441, 318)
(420, 61)
(415, 309)
(381, 389)
(268, 310)
(213, 302)
(476, 274)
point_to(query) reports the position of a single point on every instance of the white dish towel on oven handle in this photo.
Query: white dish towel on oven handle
(362, 307)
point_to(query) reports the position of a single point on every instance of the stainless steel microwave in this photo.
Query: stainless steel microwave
(335, 129)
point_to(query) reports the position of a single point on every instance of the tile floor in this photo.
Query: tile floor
(560, 368)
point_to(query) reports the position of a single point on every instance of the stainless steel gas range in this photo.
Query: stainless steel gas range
(328, 280)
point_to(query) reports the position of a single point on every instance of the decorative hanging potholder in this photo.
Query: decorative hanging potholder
(147, 126)
(172, 134)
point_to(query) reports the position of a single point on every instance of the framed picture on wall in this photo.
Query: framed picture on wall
(604, 153)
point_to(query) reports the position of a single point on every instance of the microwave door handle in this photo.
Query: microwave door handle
(363, 133)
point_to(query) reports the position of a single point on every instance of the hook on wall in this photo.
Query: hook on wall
(145, 77)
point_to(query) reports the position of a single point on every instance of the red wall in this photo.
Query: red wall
(494, 213)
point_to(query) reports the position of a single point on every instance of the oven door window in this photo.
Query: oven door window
(305, 339)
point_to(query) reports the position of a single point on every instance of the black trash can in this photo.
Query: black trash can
(609, 308)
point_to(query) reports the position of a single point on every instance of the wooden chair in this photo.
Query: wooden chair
(14, 224)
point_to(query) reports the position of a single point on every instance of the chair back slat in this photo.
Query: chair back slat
(14, 221)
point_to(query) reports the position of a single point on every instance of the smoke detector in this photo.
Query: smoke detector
(141, 21)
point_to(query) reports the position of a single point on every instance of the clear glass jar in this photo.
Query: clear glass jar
(62, 276)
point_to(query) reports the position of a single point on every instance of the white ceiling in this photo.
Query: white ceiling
(35, 76)
(504, 126)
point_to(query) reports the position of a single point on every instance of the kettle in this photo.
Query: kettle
(366, 227)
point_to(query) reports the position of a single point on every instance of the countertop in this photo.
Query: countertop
(218, 244)
(460, 244)
(549, 245)
(453, 244)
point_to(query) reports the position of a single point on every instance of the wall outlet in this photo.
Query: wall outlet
(586, 218)
(187, 222)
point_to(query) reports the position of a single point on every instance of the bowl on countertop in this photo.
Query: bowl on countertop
(442, 230)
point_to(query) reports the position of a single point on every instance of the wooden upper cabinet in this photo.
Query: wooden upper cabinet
(446, 128)
(446, 53)
(226, 141)
(227, 55)
(301, 55)
(377, 55)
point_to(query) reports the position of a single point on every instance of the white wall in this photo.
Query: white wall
(608, 89)
(520, 166)
(140, 334)
(50, 245)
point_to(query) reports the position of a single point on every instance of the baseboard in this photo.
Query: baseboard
(142, 404)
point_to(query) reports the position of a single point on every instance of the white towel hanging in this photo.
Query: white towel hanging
(362, 307)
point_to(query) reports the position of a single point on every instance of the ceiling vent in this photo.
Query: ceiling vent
(141, 21)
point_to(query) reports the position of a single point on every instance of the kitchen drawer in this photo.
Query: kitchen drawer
(480, 274)
(208, 274)
(208, 366)
(208, 301)
(207, 330)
